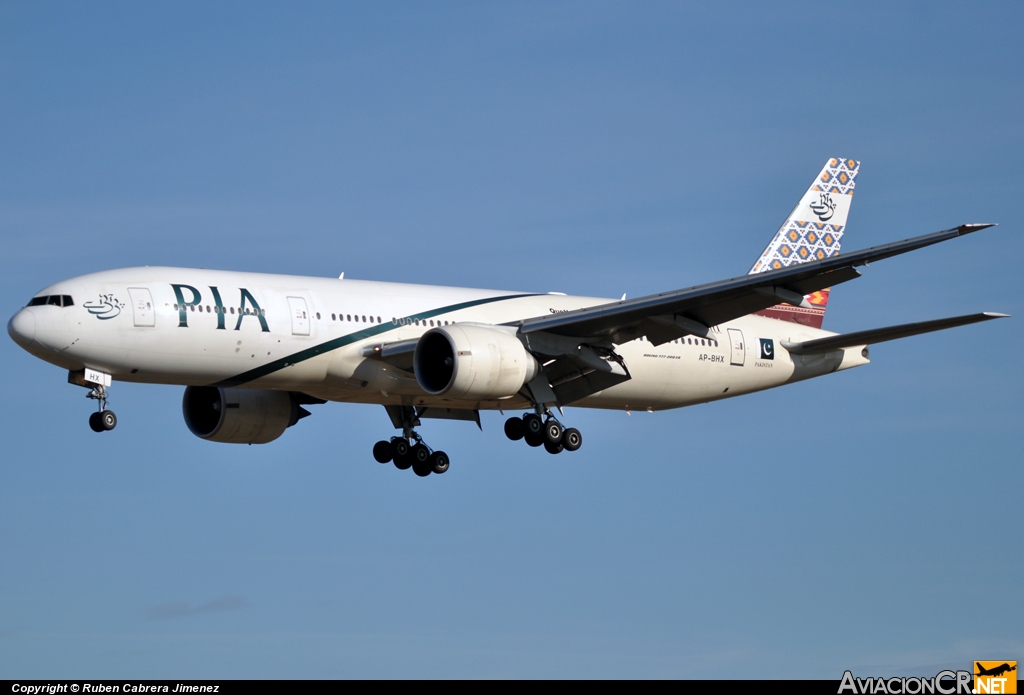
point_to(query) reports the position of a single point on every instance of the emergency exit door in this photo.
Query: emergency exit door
(737, 350)
(142, 306)
(300, 315)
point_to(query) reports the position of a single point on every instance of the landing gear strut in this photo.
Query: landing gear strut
(405, 454)
(103, 420)
(548, 433)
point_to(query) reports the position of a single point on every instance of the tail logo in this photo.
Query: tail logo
(824, 208)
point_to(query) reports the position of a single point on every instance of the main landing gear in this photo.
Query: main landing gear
(406, 454)
(548, 433)
(103, 420)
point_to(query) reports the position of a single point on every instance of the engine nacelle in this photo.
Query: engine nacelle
(238, 416)
(472, 362)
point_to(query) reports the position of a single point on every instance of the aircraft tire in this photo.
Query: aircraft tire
(421, 464)
(514, 429)
(532, 424)
(553, 448)
(382, 452)
(108, 420)
(401, 454)
(572, 439)
(439, 462)
(534, 439)
(94, 423)
(552, 432)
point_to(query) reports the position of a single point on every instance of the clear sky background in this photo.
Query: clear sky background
(864, 520)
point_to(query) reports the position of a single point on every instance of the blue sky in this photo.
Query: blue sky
(865, 520)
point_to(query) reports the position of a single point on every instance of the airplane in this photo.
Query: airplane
(252, 349)
(994, 671)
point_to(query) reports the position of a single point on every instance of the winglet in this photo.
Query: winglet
(975, 227)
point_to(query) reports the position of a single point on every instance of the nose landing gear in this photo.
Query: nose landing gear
(548, 433)
(103, 420)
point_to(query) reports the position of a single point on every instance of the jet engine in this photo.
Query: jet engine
(239, 416)
(472, 362)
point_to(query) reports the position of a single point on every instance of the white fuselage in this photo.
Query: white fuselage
(252, 330)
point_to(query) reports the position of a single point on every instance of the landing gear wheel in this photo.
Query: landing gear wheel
(532, 424)
(400, 453)
(108, 420)
(421, 465)
(534, 439)
(553, 448)
(572, 439)
(514, 429)
(439, 462)
(382, 452)
(94, 423)
(552, 433)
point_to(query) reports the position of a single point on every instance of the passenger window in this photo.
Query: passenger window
(318, 316)
(378, 319)
(348, 317)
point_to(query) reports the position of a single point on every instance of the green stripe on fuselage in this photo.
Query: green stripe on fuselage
(309, 353)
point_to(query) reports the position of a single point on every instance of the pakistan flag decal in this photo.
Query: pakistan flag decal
(767, 349)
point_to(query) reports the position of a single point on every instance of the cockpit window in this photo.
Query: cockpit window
(52, 300)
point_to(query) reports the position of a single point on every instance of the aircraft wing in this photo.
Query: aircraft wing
(670, 315)
(880, 335)
(398, 354)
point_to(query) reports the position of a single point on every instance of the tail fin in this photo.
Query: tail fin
(811, 232)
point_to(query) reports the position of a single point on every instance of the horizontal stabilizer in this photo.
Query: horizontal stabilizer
(880, 335)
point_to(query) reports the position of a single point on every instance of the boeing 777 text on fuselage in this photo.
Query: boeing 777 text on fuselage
(253, 349)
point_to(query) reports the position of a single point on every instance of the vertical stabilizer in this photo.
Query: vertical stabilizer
(812, 231)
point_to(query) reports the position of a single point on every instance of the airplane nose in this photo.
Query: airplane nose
(22, 328)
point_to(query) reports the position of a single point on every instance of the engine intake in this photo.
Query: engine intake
(472, 362)
(239, 416)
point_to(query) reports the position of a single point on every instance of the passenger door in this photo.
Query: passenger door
(737, 351)
(300, 315)
(142, 306)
